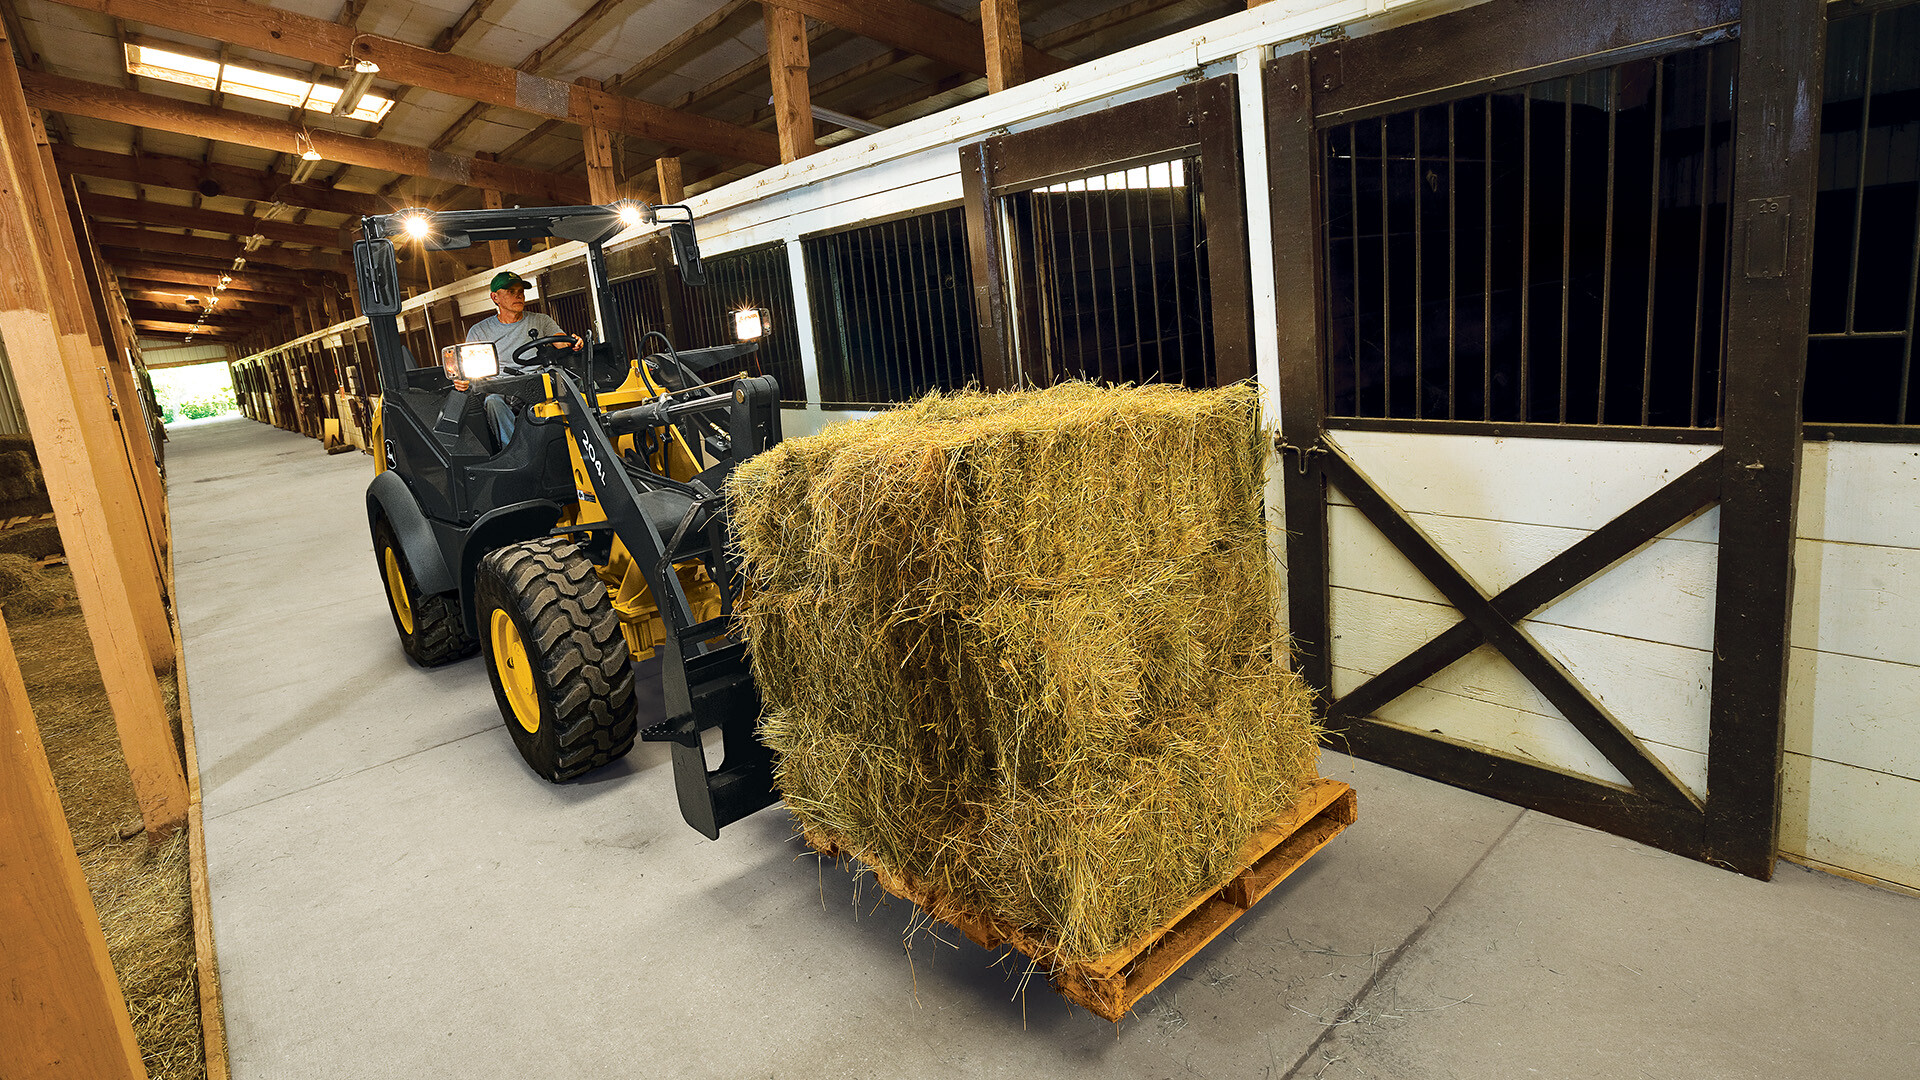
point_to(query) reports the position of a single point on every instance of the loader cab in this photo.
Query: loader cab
(436, 435)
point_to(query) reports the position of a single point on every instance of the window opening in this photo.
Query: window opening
(757, 277)
(893, 309)
(1866, 246)
(1555, 253)
(1109, 277)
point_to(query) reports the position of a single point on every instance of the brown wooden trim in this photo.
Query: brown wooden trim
(1537, 787)
(1005, 51)
(1576, 432)
(1607, 734)
(1150, 129)
(1293, 182)
(1782, 53)
(1213, 108)
(998, 370)
(1874, 433)
(1446, 55)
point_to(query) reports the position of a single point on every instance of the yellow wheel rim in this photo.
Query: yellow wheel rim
(397, 591)
(516, 671)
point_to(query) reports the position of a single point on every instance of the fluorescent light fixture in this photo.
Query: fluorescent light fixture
(470, 361)
(750, 324)
(356, 89)
(840, 119)
(304, 171)
(180, 65)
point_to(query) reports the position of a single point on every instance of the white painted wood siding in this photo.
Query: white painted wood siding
(1852, 786)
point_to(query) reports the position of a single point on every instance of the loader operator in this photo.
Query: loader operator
(509, 327)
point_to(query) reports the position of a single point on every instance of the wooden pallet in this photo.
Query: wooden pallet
(1110, 985)
(24, 519)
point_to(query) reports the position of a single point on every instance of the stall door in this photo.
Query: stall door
(1540, 417)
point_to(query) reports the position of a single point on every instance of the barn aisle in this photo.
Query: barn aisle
(396, 895)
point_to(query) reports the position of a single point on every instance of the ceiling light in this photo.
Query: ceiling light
(365, 67)
(304, 171)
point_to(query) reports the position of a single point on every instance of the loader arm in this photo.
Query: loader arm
(706, 674)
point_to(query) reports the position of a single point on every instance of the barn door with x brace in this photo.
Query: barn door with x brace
(1112, 246)
(1541, 267)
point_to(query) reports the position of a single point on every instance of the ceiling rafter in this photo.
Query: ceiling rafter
(79, 98)
(231, 181)
(144, 212)
(301, 37)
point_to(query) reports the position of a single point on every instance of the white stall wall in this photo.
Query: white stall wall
(1852, 787)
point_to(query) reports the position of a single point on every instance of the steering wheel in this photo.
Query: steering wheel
(527, 352)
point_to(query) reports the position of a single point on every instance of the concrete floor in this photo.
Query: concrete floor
(395, 895)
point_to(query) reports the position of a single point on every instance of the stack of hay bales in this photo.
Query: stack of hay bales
(1020, 648)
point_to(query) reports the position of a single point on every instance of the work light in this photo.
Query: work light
(750, 324)
(470, 361)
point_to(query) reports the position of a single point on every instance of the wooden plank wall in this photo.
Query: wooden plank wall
(1852, 790)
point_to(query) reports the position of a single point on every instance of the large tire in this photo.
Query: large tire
(561, 671)
(429, 626)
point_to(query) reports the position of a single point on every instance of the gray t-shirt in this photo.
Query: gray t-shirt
(509, 336)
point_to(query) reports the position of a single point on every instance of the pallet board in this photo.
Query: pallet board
(1109, 985)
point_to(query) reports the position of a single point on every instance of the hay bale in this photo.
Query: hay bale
(20, 477)
(26, 590)
(1022, 648)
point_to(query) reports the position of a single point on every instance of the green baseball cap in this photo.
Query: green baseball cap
(506, 279)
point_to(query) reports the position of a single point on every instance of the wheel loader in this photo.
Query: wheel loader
(595, 536)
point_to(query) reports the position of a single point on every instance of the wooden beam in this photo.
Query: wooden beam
(1006, 52)
(60, 1001)
(216, 180)
(667, 171)
(143, 212)
(78, 98)
(787, 60)
(197, 329)
(934, 34)
(286, 33)
(202, 279)
(597, 144)
(451, 35)
(92, 489)
(122, 236)
(499, 251)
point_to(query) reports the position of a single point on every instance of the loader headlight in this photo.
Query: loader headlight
(470, 360)
(750, 324)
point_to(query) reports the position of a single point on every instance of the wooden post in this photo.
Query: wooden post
(73, 437)
(73, 367)
(60, 1003)
(787, 61)
(667, 171)
(500, 251)
(1006, 52)
(602, 188)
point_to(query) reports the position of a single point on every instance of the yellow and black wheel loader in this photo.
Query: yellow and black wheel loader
(594, 535)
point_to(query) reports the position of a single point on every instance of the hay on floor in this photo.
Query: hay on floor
(1022, 648)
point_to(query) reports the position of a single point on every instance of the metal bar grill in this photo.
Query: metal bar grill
(1113, 282)
(893, 309)
(1866, 251)
(754, 278)
(1580, 221)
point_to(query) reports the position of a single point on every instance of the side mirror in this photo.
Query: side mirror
(378, 277)
(686, 253)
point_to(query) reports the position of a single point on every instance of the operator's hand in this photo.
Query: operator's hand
(576, 343)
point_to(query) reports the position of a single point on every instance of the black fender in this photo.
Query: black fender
(389, 498)
(505, 525)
